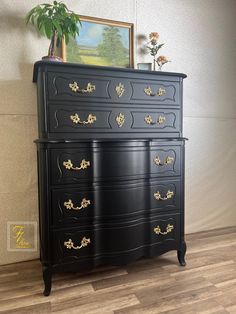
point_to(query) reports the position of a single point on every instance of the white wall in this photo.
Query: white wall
(199, 37)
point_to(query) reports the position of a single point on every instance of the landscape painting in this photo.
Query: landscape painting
(101, 42)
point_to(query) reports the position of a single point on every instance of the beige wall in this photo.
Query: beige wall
(199, 38)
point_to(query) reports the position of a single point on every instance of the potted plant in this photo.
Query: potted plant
(55, 21)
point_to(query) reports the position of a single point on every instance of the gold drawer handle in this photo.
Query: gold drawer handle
(70, 244)
(158, 231)
(168, 196)
(90, 119)
(160, 120)
(84, 203)
(148, 91)
(169, 160)
(69, 165)
(89, 88)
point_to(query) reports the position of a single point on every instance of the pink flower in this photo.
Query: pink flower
(153, 37)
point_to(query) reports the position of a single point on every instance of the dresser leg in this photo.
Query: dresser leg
(47, 278)
(181, 254)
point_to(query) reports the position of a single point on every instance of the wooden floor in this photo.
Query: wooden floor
(206, 285)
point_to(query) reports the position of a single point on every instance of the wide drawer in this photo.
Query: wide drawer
(71, 120)
(109, 201)
(106, 240)
(98, 86)
(113, 162)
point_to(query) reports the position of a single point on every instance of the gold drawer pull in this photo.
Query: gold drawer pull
(169, 160)
(148, 91)
(69, 165)
(158, 231)
(90, 119)
(84, 203)
(70, 244)
(89, 88)
(158, 196)
(160, 120)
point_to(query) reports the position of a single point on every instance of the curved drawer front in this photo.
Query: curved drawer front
(114, 201)
(104, 88)
(70, 165)
(115, 239)
(104, 164)
(81, 119)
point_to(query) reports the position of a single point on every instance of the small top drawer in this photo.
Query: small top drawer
(73, 82)
(66, 86)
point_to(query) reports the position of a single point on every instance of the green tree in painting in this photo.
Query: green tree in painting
(112, 48)
(74, 52)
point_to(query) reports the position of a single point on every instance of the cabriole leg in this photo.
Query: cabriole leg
(47, 278)
(181, 254)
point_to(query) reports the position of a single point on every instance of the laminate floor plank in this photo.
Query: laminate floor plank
(149, 286)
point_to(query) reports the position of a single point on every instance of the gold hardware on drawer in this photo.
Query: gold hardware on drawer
(70, 244)
(90, 119)
(120, 119)
(75, 88)
(69, 165)
(158, 196)
(84, 203)
(148, 91)
(160, 120)
(120, 89)
(169, 160)
(169, 228)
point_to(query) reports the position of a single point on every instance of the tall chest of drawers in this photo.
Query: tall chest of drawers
(110, 166)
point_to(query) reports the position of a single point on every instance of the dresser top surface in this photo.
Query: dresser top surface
(65, 66)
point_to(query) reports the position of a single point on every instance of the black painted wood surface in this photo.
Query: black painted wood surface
(110, 166)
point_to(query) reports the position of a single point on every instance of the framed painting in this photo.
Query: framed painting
(101, 42)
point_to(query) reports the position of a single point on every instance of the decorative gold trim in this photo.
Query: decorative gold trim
(148, 119)
(120, 119)
(75, 88)
(169, 160)
(69, 165)
(158, 231)
(90, 119)
(160, 92)
(158, 196)
(84, 203)
(160, 120)
(120, 89)
(70, 244)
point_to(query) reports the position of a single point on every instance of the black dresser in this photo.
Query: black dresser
(110, 166)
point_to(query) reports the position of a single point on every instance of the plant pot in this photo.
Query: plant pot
(52, 58)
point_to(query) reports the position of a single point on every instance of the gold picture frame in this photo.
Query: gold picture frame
(95, 45)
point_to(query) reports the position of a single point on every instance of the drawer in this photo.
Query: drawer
(86, 203)
(113, 162)
(82, 119)
(100, 86)
(120, 238)
(158, 92)
(165, 160)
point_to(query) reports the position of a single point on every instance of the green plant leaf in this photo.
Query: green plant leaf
(57, 26)
(48, 28)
